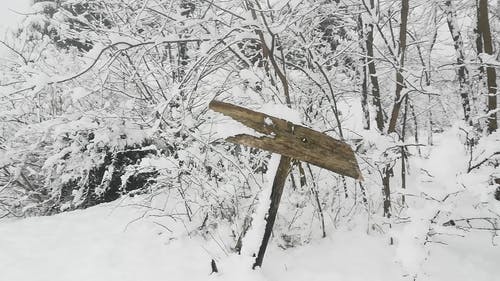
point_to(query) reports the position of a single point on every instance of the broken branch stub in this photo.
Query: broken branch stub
(292, 140)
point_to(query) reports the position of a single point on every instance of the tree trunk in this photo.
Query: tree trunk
(388, 172)
(379, 115)
(462, 72)
(364, 82)
(399, 72)
(485, 38)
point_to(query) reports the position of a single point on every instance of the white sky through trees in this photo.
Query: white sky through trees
(10, 14)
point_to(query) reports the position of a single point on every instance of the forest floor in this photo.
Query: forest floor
(115, 241)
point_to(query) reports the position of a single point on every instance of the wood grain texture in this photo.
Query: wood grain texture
(291, 140)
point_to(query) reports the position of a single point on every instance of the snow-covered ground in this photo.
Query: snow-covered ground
(108, 242)
(128, 241)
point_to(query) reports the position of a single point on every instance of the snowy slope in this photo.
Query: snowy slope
(101, 243)
(94, 244)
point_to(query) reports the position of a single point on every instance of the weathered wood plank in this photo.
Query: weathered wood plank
(291, 140)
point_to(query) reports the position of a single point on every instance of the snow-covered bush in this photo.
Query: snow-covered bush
(65, 164)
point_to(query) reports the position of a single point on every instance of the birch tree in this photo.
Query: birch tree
(372, 71)
(462, 71)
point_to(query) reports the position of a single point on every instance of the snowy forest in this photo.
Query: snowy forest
(250, 140)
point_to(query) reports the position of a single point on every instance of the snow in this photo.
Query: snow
(459, 260)
(450, 153)
(10, 16)
(489, 59)
(108, 243)
(250, 76)
(124, 241)
(224, 126)
(158, 163)
(79, 93)
(253, 238)
(94, 244)
(344, 257)
(144, 238)
(281, 111)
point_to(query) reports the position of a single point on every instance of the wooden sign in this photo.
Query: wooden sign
(292, 140)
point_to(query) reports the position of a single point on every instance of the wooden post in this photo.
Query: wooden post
(291, 141)
(277, 191)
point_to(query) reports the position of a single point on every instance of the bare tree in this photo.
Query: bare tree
(372, 71)
(363, 74)
(462, 72)
(484, 41)
(399, 72)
